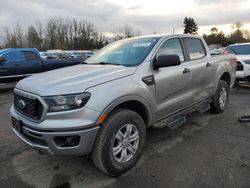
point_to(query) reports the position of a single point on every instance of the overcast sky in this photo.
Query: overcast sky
(148, 16)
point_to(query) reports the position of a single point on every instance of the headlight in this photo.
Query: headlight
(67, 102)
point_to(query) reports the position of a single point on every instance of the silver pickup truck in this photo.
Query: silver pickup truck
(103, 107)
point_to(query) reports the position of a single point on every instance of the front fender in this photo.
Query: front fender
(105, 97)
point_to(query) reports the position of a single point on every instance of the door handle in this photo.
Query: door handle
(208, 64)
(17, 65)
(186, 70)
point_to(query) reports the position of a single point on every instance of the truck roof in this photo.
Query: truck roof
(168, 35)
(237, 44)
(17, 49)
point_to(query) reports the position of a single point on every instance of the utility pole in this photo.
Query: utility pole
(173, 30)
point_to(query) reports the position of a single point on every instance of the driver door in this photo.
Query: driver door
(174, 83)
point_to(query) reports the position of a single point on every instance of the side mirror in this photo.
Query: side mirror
(2, 60)
(166, 61)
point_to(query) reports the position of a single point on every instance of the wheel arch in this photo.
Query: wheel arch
(226, 77)
(135, 103)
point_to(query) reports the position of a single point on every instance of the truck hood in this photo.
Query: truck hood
(243, 57)
(74, 79)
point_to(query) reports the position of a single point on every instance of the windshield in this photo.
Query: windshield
(239, 49)
(128, 52)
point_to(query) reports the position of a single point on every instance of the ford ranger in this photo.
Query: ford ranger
(103, 107)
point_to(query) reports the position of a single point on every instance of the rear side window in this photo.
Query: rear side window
(171, 47)
(29, 56)
(15, 56)
(239, 49)
(195, 48)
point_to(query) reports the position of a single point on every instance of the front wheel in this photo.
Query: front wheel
(220, 99)
(120, 142)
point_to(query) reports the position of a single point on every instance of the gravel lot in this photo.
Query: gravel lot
(208, 151)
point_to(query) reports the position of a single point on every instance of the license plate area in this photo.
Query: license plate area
(17, 125)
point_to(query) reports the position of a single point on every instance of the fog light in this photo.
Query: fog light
(67, 141)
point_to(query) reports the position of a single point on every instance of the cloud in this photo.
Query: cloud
(109, 15)
(26, 11)
(135, 7)
(207, 2)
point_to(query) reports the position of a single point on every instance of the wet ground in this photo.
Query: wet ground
(207, 151)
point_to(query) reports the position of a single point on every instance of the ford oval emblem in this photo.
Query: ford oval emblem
(21, 104)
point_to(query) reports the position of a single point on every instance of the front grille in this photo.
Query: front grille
(31, 108)
(239, 66)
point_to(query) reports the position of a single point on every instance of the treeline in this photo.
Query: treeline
(74, 34)
(59, 33)
(238, 35)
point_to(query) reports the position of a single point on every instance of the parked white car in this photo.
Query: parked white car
(44, 55)
(242, 52)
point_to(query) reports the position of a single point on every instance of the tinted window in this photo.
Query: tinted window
(13, 56)
(239, 49)
(171, 47)
(29, 56)
(195, 48)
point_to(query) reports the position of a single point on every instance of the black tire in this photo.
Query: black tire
(102, 153)
(216, 106)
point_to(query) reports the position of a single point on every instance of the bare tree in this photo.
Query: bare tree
(60, 33)
(51, 37)
(237, 34)
(14, 38)
(246, 34)
(214, 30)
(33, 38)
(128, 31)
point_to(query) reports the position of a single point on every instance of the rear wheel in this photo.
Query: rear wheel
(120, 142)
(220, 99)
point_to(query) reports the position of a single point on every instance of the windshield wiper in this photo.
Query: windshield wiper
(106, 63)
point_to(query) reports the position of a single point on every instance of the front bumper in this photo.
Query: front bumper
(240, 75)
(43, 139)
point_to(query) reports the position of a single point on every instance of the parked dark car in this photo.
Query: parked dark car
(18, 63)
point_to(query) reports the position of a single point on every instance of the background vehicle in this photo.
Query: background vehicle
(73, 54)
(44, 55)
(217, 51)
(242, 52)
(80, 53)
(18, 63)
(151, 81)
(86, 53)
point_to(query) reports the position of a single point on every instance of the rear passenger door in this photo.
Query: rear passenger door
(201, 67)
(32, 63)
(173, 84)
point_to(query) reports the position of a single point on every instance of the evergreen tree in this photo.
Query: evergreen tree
(190, 27)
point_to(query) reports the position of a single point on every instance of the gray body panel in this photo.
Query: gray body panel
(112, 85)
